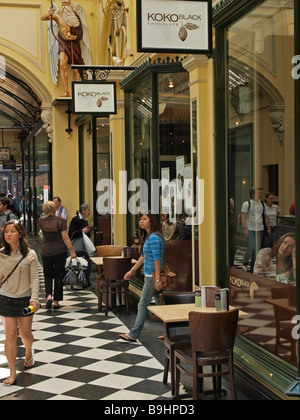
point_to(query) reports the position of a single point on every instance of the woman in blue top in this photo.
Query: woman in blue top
(152, 257)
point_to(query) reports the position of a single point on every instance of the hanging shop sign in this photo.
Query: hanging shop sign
(9, 164)
(175, 26)
(4, 153)
(94, 98)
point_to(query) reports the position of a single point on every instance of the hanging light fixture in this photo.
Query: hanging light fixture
(171, 83)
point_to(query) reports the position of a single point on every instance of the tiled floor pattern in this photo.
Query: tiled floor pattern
(78, 355)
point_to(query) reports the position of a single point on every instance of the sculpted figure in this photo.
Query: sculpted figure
(67, 33)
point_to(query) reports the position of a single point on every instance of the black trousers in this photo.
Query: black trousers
(54, 269)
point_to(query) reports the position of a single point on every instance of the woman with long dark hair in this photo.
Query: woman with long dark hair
(278, 262)
(19, 288)
(152, 256)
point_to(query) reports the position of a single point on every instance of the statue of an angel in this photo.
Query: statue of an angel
(68, 41)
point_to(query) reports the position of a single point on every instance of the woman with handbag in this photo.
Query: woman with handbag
(55, 247)
(19, 288)
(79, 227)
(152, 257)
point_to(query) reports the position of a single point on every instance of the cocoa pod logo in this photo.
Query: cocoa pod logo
(183, 31)
(101, 100)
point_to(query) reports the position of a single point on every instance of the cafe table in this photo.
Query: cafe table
(180, 313)
(99, 260)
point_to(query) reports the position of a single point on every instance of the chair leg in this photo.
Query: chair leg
(106, 298)
(99, 292)
(172, 370)
(166, 369)
(127, 299)
(195, 378)
(231, 377)
(177, 379)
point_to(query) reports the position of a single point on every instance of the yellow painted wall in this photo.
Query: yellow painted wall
(26, 47)
(201, 89)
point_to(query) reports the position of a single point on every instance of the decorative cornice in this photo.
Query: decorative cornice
(158, 61)
(220, 6)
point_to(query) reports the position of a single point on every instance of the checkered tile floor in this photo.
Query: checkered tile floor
(79, 355)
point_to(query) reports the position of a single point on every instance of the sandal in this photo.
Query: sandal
(9, 381)
(161, 337)
(29, 363)
(127, 337)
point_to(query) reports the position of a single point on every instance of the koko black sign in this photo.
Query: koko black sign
(175, 26)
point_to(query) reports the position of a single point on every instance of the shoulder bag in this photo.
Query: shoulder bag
(166, 276)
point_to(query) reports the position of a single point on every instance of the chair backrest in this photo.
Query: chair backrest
(176, 298)
(109, 250)
(213, 331)
(116, 268)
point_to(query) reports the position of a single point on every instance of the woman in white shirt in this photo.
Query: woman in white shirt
(273, 212)
(19, 288)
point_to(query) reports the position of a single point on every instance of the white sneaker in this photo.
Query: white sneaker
(245, 267)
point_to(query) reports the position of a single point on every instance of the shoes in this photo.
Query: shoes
(28, 364)
(9, 381)
(127, 337)
(56, 307)
(245, 267)
(49, 304)
(161, 337)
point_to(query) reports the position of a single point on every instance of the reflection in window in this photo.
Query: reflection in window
(261, 160)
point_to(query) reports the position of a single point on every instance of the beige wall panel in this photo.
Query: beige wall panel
(20, 30)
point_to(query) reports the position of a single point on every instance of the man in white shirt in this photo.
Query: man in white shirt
(254, 220)
(61, 211)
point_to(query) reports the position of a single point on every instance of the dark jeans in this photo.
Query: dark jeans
(54, 269)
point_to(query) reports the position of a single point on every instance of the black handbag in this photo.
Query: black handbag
(75, 275)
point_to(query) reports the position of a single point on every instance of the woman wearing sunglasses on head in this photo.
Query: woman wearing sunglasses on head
(19, 289)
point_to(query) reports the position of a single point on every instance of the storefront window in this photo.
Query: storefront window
(37, 178)
(159, 158)
(261, 170)
(104, 171)
(161, 148)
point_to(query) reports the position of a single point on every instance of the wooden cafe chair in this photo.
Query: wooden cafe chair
(284, 325)
(178, 340)
(113, 282)
(105, 251)
(212, 341)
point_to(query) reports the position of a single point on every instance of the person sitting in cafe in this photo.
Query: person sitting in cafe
(278, 262)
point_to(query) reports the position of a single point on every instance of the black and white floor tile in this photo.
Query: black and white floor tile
(79, 355)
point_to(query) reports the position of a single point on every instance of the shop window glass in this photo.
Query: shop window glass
(261, 156)
(104, 171)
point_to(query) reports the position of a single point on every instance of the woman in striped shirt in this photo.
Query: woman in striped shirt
(152, 257)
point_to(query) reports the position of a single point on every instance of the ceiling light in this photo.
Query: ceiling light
(171, 83)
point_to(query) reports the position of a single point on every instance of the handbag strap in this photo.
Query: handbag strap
(5, 280)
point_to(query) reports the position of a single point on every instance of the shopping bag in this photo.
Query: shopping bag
(78, 245)
(75, 275)
(89, 246)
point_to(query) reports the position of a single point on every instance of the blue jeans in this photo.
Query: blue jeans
(145, 300)
(254, 245)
